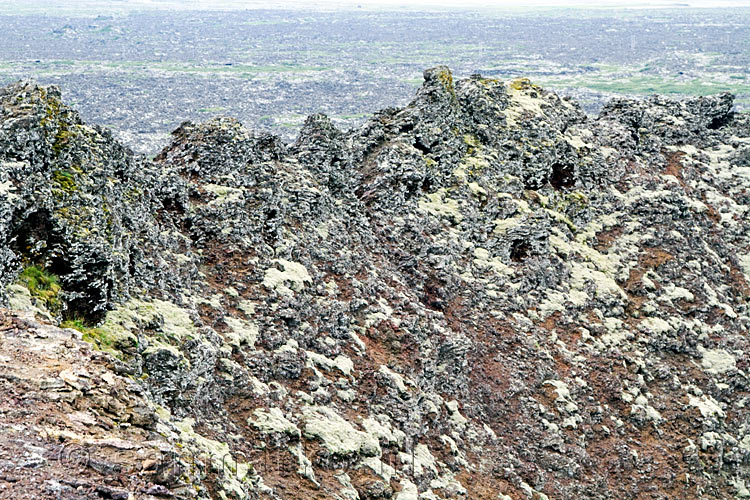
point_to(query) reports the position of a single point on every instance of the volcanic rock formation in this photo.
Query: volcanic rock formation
(482, 295)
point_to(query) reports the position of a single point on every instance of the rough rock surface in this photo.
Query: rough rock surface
(484, 294)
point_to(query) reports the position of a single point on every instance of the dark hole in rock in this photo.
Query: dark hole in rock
(59, 267)
(35, 241)
(270, 226)
(172, 205)
(719, 121)
(433, 296)
(406, 128)
(424, 149)
(519, 250)
(636, 137)
(32, 235)
(562, 176)
(412, 186)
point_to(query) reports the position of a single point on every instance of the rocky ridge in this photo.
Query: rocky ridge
(484, 294)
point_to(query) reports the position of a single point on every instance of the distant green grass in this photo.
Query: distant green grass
(644, 85)
(653, 85)
(352, 116)
(415, 82)
(215, 109)
(290, 121)
(54, 66)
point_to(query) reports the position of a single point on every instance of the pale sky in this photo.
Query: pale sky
(111, 6)
(482, 3)
(547, 3)
(399, 3)
(471, 3)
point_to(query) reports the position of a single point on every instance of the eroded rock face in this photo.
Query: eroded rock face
(78, 203)
(484, 294)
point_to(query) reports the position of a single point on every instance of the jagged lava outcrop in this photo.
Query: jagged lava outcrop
(482, 295)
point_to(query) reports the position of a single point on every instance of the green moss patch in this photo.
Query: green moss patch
(62, 138)
(44, 286)
(96, 336)
(65, 180)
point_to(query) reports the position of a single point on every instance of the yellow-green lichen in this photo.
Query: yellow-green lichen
(519, 83)
(446, 78)
(224, 194)
(65, 180)
(292, 277)
(219, 457)
(164, 323)
(54, 110)
(503, 225)
(471, 140)
(241, 332)
(562, 218)
(489, 82)
(95, 336)
(440, 205)
(571, 203)
(62, 138)
(470, 166)
(336, 434)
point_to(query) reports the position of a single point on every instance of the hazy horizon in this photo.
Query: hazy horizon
(94, 7)
(164, 61)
